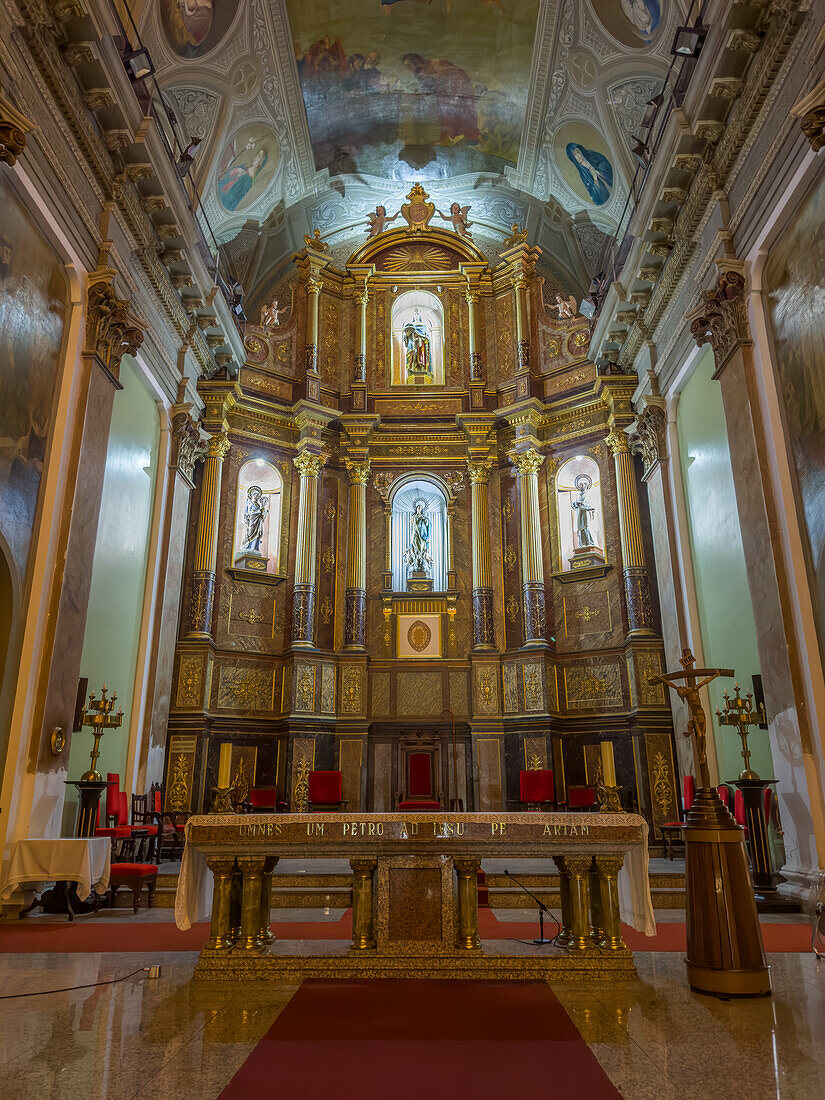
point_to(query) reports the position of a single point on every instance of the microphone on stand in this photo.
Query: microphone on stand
(541, 941)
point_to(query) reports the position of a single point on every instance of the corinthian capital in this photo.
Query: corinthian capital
(13, 127)
(648, 439)
(617, 442)
(357, 472)
(112, 330)
(479, 472)
(721, 318)
(528, 462)
(219, 446)
(308, 463)
(187, 445)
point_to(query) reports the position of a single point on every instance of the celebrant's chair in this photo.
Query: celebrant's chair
(419, 793)
(325, 791)
(581, 798)
(264, 800)
(537, 789)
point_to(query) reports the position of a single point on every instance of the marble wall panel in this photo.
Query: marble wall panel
(511, 562)
(419, 694)
(331, 556)
(327, 688)
(382, 787)
(352, 689)
(488, 765)
(661, 779)
(250, 617)
(380, 700)
(306, 675)
(593, 685)
(180, 775)
(533, 678)
(512, 695)
(245, 687)
(535, 753)
(303, 759)
(459, 695)
(486, 690)
(350, 754)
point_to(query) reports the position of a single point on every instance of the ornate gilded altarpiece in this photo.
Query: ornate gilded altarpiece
(332, 668)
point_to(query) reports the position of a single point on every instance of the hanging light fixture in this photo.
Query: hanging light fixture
(688, 41)
(138, 64)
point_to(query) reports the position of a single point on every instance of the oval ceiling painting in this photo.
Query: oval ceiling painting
(194, 27)
(246, 167)
(631, 22)
(585, 162)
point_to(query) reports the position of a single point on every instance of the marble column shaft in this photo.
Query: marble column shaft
(483, 624)
(313, 295)
(472, 335)
(303, 594)
(532, 563)
(522, 337)
(636, 580)
(355, 612)
(360, 371)
(206, 545)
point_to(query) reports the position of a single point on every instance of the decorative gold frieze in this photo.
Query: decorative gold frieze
(590, 686)
(241, 687)
(351, 693)
(190, 681)
(305, 686)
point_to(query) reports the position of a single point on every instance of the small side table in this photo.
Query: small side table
(89, 791)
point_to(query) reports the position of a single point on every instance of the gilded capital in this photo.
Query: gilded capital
(479, 472)
(358, 472)
(617, 442)
(528, 462)
(362, 297)
(471, 296)
(219, 446)
(519, 281)
(308, 463)
(314, 285)
(721, 318)
(111, 330)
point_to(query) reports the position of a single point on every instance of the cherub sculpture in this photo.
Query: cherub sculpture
(566, 306)
(458, 216)
(270, 315)
(379, 220)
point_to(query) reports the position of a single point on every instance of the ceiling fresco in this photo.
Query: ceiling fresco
(396, 85)
(311, 113)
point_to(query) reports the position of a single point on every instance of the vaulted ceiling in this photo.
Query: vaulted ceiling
(313, 112)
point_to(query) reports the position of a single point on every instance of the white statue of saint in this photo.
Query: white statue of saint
(417, 554)
(583, 511)
(255, 512)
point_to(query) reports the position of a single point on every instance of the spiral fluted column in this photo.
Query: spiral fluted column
(532, 564)
(303, 593)
(483, 628)
(206, 547)
(355, 612)
(636, 580)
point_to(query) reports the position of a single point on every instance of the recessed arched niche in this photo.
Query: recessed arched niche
(580, 515)
(417, 321)
(420, 549)
(256, 544)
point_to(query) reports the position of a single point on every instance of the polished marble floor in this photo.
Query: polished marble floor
(175, 1038)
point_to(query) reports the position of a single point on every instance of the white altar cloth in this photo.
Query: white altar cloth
(36, 862)
(193, 900)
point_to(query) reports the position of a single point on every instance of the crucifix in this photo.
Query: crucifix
(689, 691)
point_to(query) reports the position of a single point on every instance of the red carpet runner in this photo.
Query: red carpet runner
(117, 933)
(408, 1040)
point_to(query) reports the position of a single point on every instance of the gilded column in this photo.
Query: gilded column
(636, 581)
(355, 612)
(360, 371)
(363, 934)
(206, 547)
(522, 339)
(532, 565)
(313, 295)
(475, 355)
(303, 592)
(483, 629)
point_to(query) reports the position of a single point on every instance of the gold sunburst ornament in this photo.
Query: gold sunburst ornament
(416, 258)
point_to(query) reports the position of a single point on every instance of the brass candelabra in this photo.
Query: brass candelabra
(740, 714)
(97, 714)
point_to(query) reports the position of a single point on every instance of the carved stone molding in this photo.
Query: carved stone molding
(112, 330)
(810, 110)
(187, 445)
(649, 437)
(721, 319)
(13, 128)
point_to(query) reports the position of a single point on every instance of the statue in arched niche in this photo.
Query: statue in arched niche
(417, 555)
(583, 511)
(257, 506)
(417, 349)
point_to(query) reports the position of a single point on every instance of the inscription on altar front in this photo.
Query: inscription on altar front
(401, 830)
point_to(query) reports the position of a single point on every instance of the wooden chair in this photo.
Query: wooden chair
(537, 789)
(143, 818)
(325, 790)
(171, 825)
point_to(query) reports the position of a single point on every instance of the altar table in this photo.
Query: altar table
(35, 862)
(411, 916)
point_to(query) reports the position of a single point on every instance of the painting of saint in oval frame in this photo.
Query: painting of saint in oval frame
(246, 167)
(585, 162)
(194, 27)
(631, 22)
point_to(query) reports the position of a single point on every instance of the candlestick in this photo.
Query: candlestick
(740, 714)
(98, 715)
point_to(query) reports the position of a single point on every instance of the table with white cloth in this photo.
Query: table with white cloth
(415, 899)
(35, 862)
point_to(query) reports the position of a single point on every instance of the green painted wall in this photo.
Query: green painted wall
(110, 645)
(725, 611)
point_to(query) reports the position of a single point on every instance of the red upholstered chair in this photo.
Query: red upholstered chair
(689, 789)
(739, 810)
(325, 790)
(724, 794)
(537, 789)
(581, 798)
(133, 876)
(264, 800)
(420, 794)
